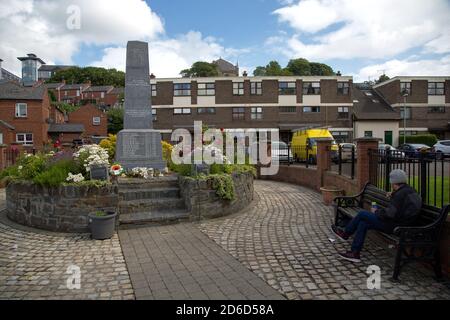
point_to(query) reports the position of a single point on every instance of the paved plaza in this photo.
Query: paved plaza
(278, 248)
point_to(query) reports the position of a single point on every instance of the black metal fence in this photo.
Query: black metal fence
(346, 160)
(428, 173)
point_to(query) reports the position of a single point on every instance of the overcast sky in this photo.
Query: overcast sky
(362, 38)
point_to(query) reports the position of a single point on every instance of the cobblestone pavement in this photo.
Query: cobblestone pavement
(283, 238)
(180, 262)
(33, 264)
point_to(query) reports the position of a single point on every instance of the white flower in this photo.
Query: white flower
(75, 178)
(20, 167)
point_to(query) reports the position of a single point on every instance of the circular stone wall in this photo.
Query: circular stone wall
(203, 203)
(61, 209)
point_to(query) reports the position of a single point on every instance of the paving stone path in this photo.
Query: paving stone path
(283, 238)
(179, 262)
(33, 264)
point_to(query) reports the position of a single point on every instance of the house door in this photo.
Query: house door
(388, 139)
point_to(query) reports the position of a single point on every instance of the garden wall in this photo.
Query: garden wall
(203, 203)
(298, 175)
(61, 209)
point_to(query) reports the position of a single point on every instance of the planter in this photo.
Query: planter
(102, 227)
(329, 193)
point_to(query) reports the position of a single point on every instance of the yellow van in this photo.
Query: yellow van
(304, 144)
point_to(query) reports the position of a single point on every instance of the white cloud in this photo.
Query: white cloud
(365, 28)
(169, 56)
(39, 26)
(408, 67)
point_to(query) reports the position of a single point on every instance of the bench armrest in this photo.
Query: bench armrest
(424, 233)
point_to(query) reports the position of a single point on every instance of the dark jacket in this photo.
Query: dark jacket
(403, 209)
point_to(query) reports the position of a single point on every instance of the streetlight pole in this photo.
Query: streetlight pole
(405, 95)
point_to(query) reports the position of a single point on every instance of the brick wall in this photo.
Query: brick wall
(298, 175)
(84, 115)
(329, 94)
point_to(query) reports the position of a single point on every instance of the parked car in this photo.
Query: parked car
(346, 151)
(282, 150)
(413, 150)
(442, 147)
(394, 154)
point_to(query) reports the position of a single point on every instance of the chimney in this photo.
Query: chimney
(339, 74)
(152, 76)
(245, 74)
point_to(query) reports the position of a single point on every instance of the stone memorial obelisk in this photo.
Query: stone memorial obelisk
(138, 145)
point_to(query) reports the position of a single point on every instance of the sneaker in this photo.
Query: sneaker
(339, 233)
(351, 256)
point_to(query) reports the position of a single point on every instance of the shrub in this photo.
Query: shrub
(109, 144)
(90, 155)
(182, 169)
(224, 186)
(167, 152)
(57, 173)
(428, 139)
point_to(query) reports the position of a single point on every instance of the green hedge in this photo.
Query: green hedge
(428, 139)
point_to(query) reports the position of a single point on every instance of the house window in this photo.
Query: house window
(153, 90)
(96, 121)
(154, 114)
(239, 113)
(436, 88)
(311, 88)
(256, 88)
(206, 110)
(25, 138)
(311, 109)
(65, 93)
(405, 87)
(206, 89)
(182, 111)
(407, 114)
(102, 95)
(1, 138)
(21, 110)
(257, 113)
(368, 134)
(182, 89)
(238, 88)
(436, 110)
(78, 93)
(343, 88)
(288, 109)
(287, 88)
(343, 112)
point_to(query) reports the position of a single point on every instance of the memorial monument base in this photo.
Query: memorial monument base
(139, 148)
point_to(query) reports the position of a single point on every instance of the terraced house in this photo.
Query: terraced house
(423, 101)
(284, 103)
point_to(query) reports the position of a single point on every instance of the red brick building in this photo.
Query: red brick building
(24, 115)
(94, 120)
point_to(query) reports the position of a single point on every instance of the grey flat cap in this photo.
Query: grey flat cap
(398, 176)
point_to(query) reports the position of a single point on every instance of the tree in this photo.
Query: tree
(295, 67)
(200, 69)
(97, 76)
(382, 78)
(115, 120)
(299, 67)
(321, 69)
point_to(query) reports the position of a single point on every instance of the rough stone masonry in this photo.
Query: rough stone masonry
(138, 145)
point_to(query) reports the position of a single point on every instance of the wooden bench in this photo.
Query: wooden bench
(419, 242)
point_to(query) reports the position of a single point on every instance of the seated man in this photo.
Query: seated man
(403, 209)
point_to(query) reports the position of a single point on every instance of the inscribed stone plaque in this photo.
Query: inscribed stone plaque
(99, 173)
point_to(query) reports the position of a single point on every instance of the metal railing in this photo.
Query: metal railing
(428, 173)
(345, 161)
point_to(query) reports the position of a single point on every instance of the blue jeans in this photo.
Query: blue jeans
(359, 226)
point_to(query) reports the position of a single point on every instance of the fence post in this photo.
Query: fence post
(423, 177)
(2, 156)
(323, 159)
(363, 165)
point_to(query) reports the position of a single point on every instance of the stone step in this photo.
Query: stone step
(152, 193)
(162, 182)
(155, 218)
(150, 205)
